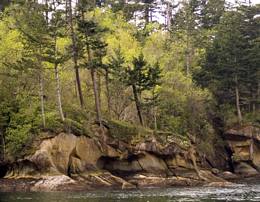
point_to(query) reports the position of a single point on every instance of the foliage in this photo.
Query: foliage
(186, 76)
(23, 123)
(126, 131)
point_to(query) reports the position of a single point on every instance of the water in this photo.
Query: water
(243, 193)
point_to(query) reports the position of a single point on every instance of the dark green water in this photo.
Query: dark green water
(244, 193)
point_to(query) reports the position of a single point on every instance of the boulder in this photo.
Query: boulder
(152, 164)
(61, 155)
(245, 169)
(53, 155)
(227, 175)
(88, 151)
(53, 183)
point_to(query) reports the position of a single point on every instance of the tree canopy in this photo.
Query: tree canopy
(183, 67)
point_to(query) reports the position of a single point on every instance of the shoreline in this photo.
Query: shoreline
(28, 185)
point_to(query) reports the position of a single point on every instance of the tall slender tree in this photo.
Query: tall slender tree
(95, 50)
(74, 49)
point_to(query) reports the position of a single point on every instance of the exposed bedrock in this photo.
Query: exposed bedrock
(82, 162)
(244, 144)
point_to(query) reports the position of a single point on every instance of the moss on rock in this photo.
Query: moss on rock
(126, 131)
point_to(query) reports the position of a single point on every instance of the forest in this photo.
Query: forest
(189, 67)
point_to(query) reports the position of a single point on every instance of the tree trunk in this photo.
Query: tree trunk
(75, 55)
(99, 87)
(3, 143)
(257, 96)
(146, 13)
(108, 93)
(154, 112)
(138, 105)
(58, 91)
(168, 16)
(46, 11)
(253, 103)
(95, 89)
(41, 93)
(239, 114)
(187, 55)
(155, 119)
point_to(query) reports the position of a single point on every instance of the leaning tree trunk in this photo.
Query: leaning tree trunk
(58, 91)
(75, 54)
(239, 114)
(138, 105)
(41, 93)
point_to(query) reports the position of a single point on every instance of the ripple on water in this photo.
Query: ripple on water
(188, 194)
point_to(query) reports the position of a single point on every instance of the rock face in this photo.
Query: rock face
(64, 154)
(244, 144)
(68, 162)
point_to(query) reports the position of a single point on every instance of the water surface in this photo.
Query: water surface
(242, 193)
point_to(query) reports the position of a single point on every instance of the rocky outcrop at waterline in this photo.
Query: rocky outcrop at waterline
(77, 162)
(244, 143)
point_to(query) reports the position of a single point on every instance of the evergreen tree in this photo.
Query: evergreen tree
(211, 12)
(228, 69)
(75, 51)
(95, 50)
(141, 77)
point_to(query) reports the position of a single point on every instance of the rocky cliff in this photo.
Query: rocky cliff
(68, 162)
(244, 144)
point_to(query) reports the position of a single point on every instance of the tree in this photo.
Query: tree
(4, 3)
(228, 67)
(95, 49)
(56, 53)
(141, 76)
(186, 28)
(252, 57)
(211, 12)
(33, 41)
(74, 50)
(170, 7)
(115, 67)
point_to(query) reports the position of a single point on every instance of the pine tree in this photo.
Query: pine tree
(75, 54)
(35, 40)
(211, 12)
(141, 77)
(230, 69)
(95, 50)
